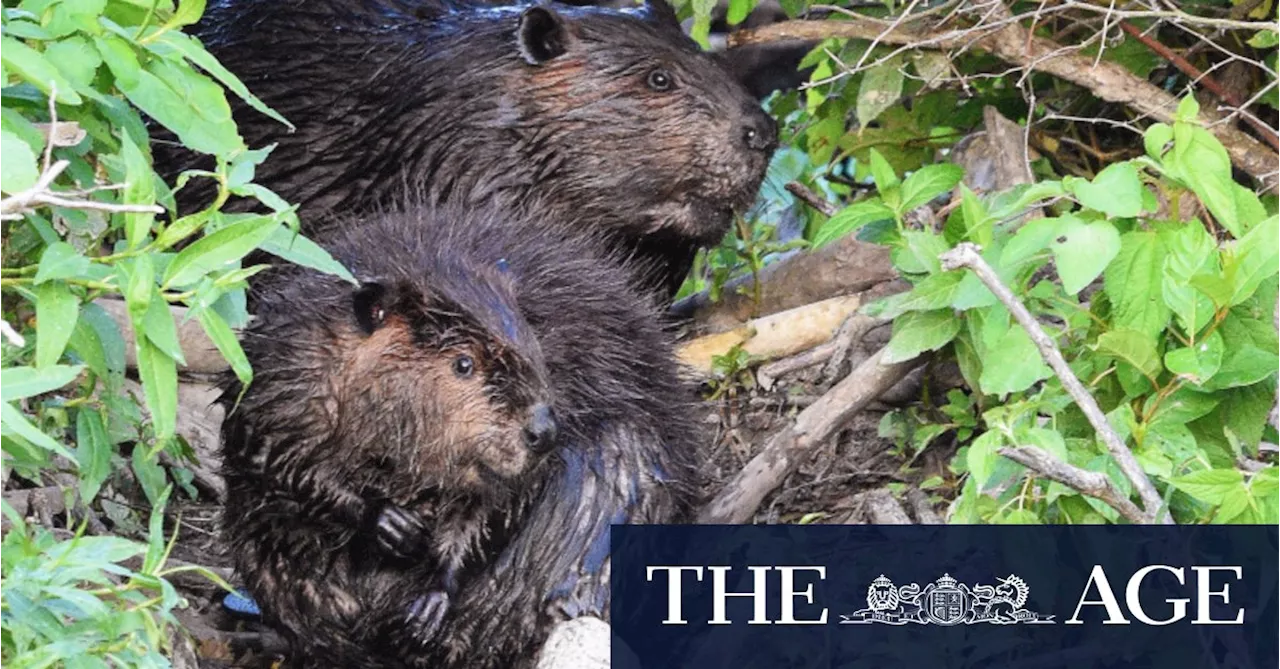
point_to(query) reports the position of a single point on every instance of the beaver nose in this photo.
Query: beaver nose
(760, 133)
(540, 431)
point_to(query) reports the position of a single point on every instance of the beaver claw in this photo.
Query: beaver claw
(426, 614)
(400, 533)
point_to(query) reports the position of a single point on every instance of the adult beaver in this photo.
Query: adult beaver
(387, 505)
(613, 119)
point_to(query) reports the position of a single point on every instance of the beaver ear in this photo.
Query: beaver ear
(541, 35)
(661, 11)
(368, 304)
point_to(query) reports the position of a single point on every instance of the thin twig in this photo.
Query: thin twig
(812, 199)
(1093, 484)
(967, 255)
(41, 193)
(1204, 79)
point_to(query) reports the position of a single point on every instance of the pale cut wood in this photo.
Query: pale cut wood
(775, 336)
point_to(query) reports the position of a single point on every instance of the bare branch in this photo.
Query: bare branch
(1093, 484)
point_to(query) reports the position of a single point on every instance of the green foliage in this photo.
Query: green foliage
(730, 373)
(73, 602)
(1176, 342)
(118, 69)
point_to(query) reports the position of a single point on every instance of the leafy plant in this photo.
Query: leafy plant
(84, 84)
(76, 599)
(1169, 322)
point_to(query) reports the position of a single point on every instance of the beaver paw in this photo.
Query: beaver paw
(426, 614)
(400, 533)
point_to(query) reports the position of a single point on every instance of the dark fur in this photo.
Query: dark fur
(307, 466)
(471, 103)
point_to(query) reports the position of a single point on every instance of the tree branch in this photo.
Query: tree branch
(1093, 484)
(1004, 38)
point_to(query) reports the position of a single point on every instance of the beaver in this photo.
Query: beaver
(425, 467)
(613, 119)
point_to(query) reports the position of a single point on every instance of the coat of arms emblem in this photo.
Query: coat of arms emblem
(946, 601)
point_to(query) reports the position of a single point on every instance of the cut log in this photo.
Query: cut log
(775, 336)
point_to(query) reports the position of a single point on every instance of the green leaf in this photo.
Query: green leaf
(158, 326)
(1199, 361)
(1180, 408)
(14, 423)
(919, 252)
(219, 250)
(1188, 109)
(149, 474)
(57, 309)
(60, 260)
(1030, 240)
(1250, 355)
(1133, 283)
(881, 89)
(1200, 161)
(18, 170)
(1082, 250)
(1116, 191)
(1011, 363)
(188, 12)
(1156, 139)
(936, 291)
(918, 331)
(20, 382)
(182, 228)
(882, 172)
(32, 66)
(93, 452)
(1264, 39)
(1191, 251)
(927, 183)
(139, 284)
(155, 532)
(846, 221)
(739, 10)
(1256, 258)
(225, 339)
(1134, 347)
(76, 59)
(180, 99)
(194, 52)
(139, 189)
(159, 375)
(1244, 365)
(1210, 486)
(1245, 410)
(982, 456)
(977, 220)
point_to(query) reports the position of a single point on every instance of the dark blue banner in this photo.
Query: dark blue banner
(935, 597)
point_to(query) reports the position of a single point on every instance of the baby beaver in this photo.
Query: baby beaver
(424, 468)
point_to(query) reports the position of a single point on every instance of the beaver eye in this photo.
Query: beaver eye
(660, 80)
(464, 366)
